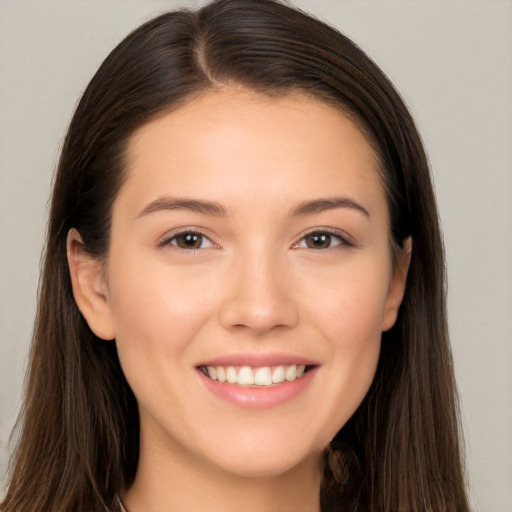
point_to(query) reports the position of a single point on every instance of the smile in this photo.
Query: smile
(255, 375)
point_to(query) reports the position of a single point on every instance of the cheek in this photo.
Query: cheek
(348, 314)
(351, 320)
(156, 314)
(348, 304)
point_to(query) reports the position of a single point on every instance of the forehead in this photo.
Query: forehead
(289, 147)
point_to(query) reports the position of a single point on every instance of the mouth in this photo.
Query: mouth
(256, 376)
(258, 381)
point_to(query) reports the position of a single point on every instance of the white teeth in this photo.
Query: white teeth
(291, 372)
(231, 375)
(261, 376)
(221, 374)
(245, 376)
(278, 375)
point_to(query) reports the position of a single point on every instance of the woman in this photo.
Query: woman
(243, 290)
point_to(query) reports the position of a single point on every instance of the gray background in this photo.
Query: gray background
(450, 59)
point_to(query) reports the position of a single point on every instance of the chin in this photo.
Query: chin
(270, 467)
(266, 458)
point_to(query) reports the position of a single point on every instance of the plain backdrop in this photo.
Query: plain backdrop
(452, 62)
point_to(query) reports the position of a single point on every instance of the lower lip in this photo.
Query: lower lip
(258, 397)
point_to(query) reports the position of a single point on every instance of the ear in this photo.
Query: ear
(397, 285)
(89, 287)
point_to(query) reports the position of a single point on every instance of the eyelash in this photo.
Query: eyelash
(329, 234)
(168, 239)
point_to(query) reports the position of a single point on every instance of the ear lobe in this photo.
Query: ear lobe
(397, 286)
(89, 287)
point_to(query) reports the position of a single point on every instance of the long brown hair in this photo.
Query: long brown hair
(78, 446)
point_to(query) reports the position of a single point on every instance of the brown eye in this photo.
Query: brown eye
(190, 240)
(318, 241)
(323, 240)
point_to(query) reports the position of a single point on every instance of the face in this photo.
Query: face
(248, 280)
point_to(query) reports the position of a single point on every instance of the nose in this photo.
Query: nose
(259, 295)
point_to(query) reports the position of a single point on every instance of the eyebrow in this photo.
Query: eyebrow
(182, 203)
(168, 203)
(328, 203)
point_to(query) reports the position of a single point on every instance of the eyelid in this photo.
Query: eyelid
(344, 238)
(171, 235)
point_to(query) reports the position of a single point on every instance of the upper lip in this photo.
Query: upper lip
(258, 359)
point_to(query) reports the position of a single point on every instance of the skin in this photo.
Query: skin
(255, 284)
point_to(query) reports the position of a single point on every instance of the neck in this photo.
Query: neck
(172, 484)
